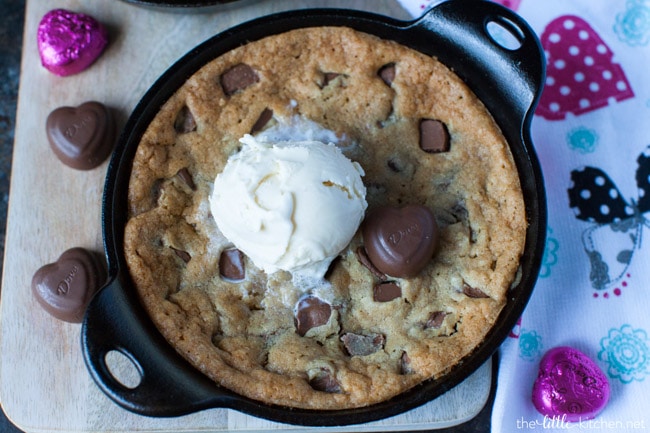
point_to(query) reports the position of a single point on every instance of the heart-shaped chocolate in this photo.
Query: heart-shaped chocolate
(65, 287)
(69, 42)
(81, 137)
(400, 241)
(570, 386)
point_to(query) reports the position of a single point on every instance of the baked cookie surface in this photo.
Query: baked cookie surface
(359, 337)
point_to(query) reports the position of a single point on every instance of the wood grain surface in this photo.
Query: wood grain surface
(44, 385)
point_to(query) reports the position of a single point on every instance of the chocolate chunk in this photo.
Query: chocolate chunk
(435, 320)
(184, 255)
(460, 212)
(238, 78)
(65, 287)
(394, 165)
(331, 268)
(231, 265)
(385, 292)
(403, 166)
(400, 241)
(328, 77)
(362, 345)
(261, 121)
(362, 256)
(473, 235)
(157, 189)
(434, 136)
(311, 312)
(185, 122)
(325, 381)
(81, 137)
(405, 364)
(473, 292)
(184, 175)
(387, 73)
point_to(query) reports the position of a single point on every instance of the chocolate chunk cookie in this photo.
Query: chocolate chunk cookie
(369, 330)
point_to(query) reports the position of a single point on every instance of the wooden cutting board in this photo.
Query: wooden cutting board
(44, 385)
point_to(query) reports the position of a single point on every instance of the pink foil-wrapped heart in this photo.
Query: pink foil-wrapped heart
(570, 386)
(70, 42)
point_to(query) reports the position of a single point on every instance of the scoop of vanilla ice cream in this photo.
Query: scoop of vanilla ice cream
(289, 205)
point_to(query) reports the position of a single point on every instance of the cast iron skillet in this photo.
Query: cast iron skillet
(508, 81)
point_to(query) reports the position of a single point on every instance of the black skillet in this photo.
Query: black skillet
(508, 81)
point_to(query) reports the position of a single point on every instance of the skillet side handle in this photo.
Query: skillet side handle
(482, 60)
(167, 387)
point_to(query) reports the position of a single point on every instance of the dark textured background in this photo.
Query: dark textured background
(12, 17)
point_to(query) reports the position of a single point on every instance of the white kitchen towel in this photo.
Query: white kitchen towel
(591, 131)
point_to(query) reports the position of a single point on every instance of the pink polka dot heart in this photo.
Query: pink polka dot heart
(512, 4)
(581, 75)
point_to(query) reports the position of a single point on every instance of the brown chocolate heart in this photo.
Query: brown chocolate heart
(81, 137)
(65, 287)
(400, 241)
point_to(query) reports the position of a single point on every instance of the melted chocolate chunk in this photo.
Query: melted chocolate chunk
(401, 165)
(186, 177)
(231, 265)
(238, 78)
(65, 287)
(473, 292)
(362, 256)
(394, 165)
(184, 255)
(385, 292)
(184, 122)
(261, 121)
(325, 381)
(331, 268)
(362, 345)
(434, 136)
(435, 320)
(387, 73)
(400, 241)
(328, 77)
(311, 312)
(157, 189)
(81, 137)
(405, 364)
(460, 212)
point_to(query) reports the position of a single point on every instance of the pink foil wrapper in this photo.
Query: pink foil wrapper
(570, 386)
(70, 42)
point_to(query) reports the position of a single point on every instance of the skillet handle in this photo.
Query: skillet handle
(167, 387)
(486, 64)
